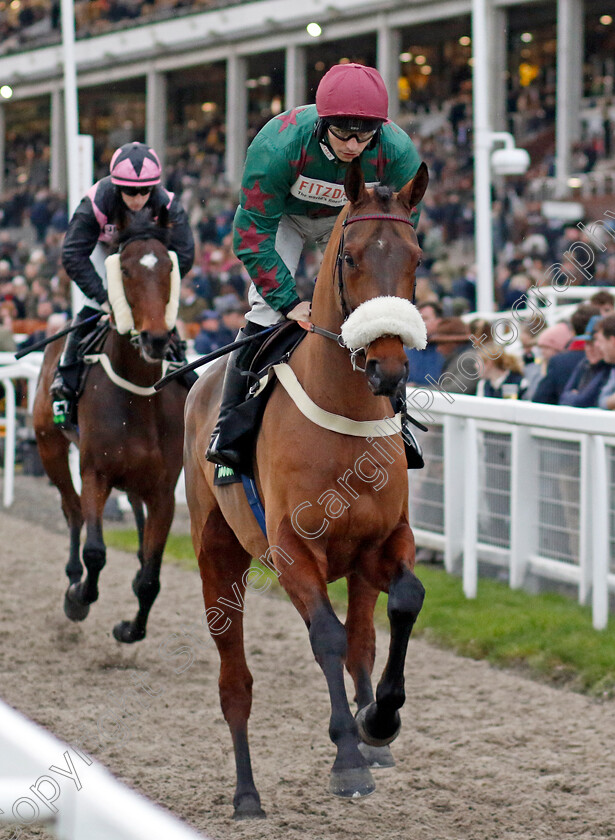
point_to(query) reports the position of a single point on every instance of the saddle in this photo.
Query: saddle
(93, 343)
(245, 420)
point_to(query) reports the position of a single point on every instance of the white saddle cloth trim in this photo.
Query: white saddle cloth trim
(104, 360)
(384, 427)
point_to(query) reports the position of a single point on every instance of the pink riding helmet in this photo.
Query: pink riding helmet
(352, 90)
(135, 165)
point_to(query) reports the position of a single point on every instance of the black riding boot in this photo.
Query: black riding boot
(65, 384)
(234, 391)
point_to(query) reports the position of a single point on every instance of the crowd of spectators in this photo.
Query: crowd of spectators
(571, 362)
(531, 251)
(37, 22)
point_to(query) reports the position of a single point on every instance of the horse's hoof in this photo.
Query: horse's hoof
(364, 719)
(352, 784)
(377, 757)
(73, 608)
(249, 808)
(125, 632)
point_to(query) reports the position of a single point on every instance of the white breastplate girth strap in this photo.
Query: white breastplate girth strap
(139, 390)
(384, 427)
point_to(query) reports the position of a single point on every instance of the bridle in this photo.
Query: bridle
(339, 260)
(339, 264)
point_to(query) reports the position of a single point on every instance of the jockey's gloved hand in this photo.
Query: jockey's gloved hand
(106, 307)
(301, 311)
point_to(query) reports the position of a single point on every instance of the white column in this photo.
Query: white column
(236, 118)
(156, 113)
(570, 39)
(2, 145)
(497, 43)
(481, 89)
(71, 106)
(389, 47)
(295, 78)
(57, 142)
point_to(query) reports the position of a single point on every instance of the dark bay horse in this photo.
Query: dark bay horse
(335, 491)
(129, 436)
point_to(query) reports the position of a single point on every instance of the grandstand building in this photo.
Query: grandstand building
(173, 73)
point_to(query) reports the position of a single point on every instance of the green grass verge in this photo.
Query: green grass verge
(549, 636)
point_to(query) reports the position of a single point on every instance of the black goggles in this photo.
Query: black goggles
(346, 134)
(136, 190)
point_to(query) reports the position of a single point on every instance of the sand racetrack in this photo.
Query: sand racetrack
(482, 754)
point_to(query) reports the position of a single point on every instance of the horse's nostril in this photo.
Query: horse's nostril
(384, 381)
(155, 344)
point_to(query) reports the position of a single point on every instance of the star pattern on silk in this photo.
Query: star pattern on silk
(301, 162)
(250, 238)
(381, 162)
(266, 280)
(256, 198)
(289, 119)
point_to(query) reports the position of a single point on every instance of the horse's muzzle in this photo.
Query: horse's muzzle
(154, 345)
(386, 366)
(383, 382)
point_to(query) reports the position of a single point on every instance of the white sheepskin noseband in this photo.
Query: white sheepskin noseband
(380, 316)
(122, 313)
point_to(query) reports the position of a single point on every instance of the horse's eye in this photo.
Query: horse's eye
(349, 261)
(419, 262)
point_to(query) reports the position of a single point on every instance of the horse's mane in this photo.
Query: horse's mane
(142, 226)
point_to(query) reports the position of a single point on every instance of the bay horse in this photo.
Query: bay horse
(335, 498)
(129, 436)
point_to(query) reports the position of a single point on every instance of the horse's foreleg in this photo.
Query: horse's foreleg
(350, 776)
(136, 504)
(379, 723)
(53, 449)
(79, 596)
(146, 584)
(223, 565)
(361, 635)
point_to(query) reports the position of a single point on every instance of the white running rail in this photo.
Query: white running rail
(45, 781)
(10, 371)
(523, 486)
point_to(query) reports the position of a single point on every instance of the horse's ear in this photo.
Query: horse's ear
(413, 192)
(354, 183)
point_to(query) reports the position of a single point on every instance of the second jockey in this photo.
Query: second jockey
(134, 181)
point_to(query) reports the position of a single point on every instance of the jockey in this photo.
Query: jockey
(134, 181)
(291, 193)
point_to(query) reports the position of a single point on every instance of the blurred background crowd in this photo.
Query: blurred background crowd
(35, 292)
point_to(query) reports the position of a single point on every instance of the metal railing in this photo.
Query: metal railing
(523, 486)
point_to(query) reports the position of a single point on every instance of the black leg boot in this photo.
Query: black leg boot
(412, 448)
(234, 391)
